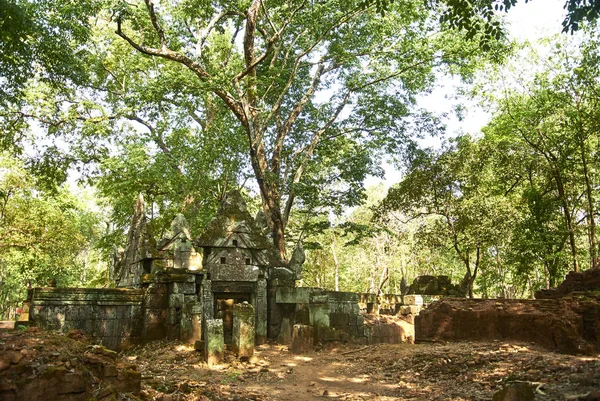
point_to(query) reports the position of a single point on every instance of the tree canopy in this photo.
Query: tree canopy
(299, 102)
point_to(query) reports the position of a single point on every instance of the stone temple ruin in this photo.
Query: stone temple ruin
(224, 287)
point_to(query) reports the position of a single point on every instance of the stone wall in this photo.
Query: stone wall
(568, 325)
(340, 316)
(575, 282)
(112, 316)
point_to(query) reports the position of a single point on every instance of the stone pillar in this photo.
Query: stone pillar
(207, 299)
(261, 311)
(302, 339)
(154, 309)
(319, 319)
(285, 332)
(191, 322)
(243, 330)
(214, 342)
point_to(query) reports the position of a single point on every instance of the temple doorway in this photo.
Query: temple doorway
(224, 310)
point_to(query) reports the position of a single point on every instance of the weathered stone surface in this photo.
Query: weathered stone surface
(302, 339)
(191, 322)
(413, 300)
(182, 288)
(296, 261)
(177, 250)
(233, 272)
(111, 316)
(319, 320)
(409, 310)
(243, 330)
(285, 331)
(586, 281)
(297, 295)
(214, 341)
(127, 272)
(567, 325)
(176, 301)
(233, 217)
(261, 311)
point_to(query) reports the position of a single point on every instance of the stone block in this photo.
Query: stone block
(296, 295)
(155, 316)
(156, 300)
(302, 314)
(302, 339)
(285, 331)
(191, 322)
(176, 301)
(190, 298)
(182, 288)
(413, 300)
(214, 343)
(157, 288)
(319, 299)
(243, 330)
(409, 310)
(342, 297)
(319, 319)
(339, 320)
(173, 316)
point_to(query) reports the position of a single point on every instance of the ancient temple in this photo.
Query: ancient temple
(202, 290)
(235, 264)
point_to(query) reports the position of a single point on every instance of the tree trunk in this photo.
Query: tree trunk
(567, 213)
(270, 200)
(590, 202)
(336, 264)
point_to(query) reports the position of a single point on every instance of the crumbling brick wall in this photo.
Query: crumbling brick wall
(569, 325)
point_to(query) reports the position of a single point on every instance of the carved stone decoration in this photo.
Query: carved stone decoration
(180, 225)
(234, 247)
(138, 253)
(177, 250)
(297, 260)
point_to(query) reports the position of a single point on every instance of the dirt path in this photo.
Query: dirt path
(172, 371)
(316, 376)
(458, 371)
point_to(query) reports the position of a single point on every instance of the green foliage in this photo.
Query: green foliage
(42, 39)
(43, 238)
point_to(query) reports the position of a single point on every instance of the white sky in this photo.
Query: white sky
(526, 22)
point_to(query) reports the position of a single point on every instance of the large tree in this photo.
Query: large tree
(303, 85)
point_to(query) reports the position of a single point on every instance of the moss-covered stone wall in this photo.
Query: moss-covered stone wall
(112, 316)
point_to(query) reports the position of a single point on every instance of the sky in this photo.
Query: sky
(526, 22)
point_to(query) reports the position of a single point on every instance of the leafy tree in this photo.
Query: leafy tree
(42, 238)
(314, 100)
(448, 190)
(553, 123)
(43, 39)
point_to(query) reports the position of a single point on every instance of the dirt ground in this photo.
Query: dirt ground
(458, 371)
(172, 371)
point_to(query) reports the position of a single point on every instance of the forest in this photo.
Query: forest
(300, 104)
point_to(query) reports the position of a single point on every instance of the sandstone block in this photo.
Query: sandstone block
(302, 339)
(214, 343)
(243, 330)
